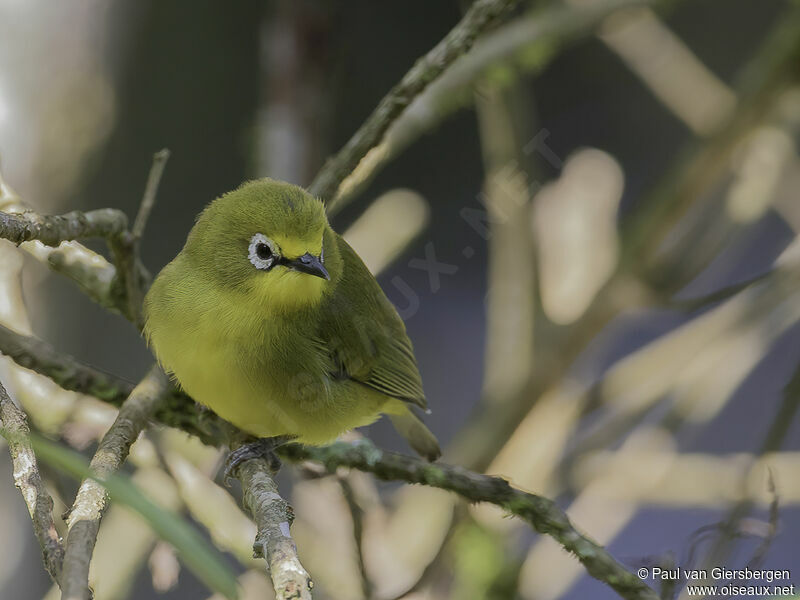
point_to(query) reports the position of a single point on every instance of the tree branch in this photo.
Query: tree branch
(270, 511)
(160, 159)
(273, 517)
(36, 355)
(132, 277)
(541, 29)
(92, 499)
(173, 408)
(178, 409)
(30, 484)
(93, 273)
(54, 229)
(480, 17)
(123, 288)
(541, 513)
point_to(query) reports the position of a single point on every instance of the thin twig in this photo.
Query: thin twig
(553, 26)
(479, 18)
(542, 514)
(273, 517)
(773, 440)
(92, 499)
(30, 484)
(160, 159)
(132, 278)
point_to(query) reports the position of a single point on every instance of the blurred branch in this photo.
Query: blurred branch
(513, 42)
(644, 233)
(505, 128)
(273, 516)
(132, 276)
(772, 442)
(28, 481)
(481, 15)
(160, 159)
(357, 514)
(542, 514)
(92, 499)
(642, 239)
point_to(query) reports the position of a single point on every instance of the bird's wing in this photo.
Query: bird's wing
(365, 336)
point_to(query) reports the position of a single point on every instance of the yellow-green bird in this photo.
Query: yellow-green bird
(269, 318)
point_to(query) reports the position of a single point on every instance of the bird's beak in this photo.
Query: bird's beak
(308, 263)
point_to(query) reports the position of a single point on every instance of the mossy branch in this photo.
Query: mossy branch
(181, 412)
(541, 513)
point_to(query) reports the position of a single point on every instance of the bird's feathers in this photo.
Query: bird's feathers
(365, 335)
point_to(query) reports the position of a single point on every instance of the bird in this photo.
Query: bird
(270, 319)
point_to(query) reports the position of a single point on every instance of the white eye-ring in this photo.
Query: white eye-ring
(263, 253)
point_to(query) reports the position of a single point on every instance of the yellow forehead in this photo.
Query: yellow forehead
(292, 247)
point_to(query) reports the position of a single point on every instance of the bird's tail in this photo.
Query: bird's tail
(411, 427)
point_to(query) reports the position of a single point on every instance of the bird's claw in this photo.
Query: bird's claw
(261, 448)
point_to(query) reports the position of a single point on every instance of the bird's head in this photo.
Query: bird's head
(269, 240)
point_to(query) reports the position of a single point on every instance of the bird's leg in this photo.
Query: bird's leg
(261, 448)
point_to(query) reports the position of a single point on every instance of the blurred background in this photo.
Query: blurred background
(588, 224)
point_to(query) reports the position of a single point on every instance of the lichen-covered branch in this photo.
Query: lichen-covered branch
(481, 15)
(120, 286)
(542, 514)
(54, 229)
(92, 499)
(90, 271)
(273, 517)
(30, 484)
(93, 273)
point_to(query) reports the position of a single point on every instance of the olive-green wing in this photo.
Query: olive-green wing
(365, 336)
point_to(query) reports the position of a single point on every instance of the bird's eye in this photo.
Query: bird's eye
(263, 253)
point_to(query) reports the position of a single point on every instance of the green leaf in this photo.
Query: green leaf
(202, 559)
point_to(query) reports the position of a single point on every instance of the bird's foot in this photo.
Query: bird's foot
(261, 448)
